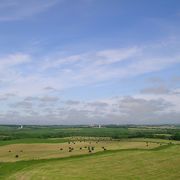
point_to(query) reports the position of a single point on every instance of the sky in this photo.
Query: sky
(89, 62)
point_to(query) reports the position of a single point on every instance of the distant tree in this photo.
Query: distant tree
(176, 136)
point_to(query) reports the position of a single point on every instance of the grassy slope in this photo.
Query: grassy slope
(161, 163)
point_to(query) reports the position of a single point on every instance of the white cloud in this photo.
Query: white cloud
(67, 71)
(14, 60)
(104, 65)
(22, 104)
(156, 90)
(119, 110)
(35, 83)
(116, 55)
(20, 9)
(47, 99)
(171, 97)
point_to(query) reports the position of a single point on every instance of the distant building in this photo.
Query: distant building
(21, 127)
(95, 126)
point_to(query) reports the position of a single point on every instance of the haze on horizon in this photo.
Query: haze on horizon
(87, 62)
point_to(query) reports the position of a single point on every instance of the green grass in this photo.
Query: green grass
(33, 140)
(160, 163)
(121, 161)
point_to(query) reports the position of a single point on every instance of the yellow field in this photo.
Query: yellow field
(162, 164)
(54, 150)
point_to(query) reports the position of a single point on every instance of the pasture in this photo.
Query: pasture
(53, 150)
(63, 153)
(159, 163)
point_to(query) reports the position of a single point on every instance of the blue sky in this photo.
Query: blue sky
(87, 61)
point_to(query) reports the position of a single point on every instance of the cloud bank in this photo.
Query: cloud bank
(31, 88)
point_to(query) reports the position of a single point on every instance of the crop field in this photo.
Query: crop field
(88, 157)
(153, 164)
(18, 152)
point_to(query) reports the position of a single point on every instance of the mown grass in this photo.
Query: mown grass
(120, 161)
(53, 150)
(159, 163)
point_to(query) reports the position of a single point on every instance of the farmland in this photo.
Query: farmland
(97, 153)
(159, 164)
(49, 150)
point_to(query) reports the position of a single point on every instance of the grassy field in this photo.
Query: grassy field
(53, 150)
(160, 163)
(89, 153)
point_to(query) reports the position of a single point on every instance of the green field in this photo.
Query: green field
(161, 163)
(110, 158)
(116, 132)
